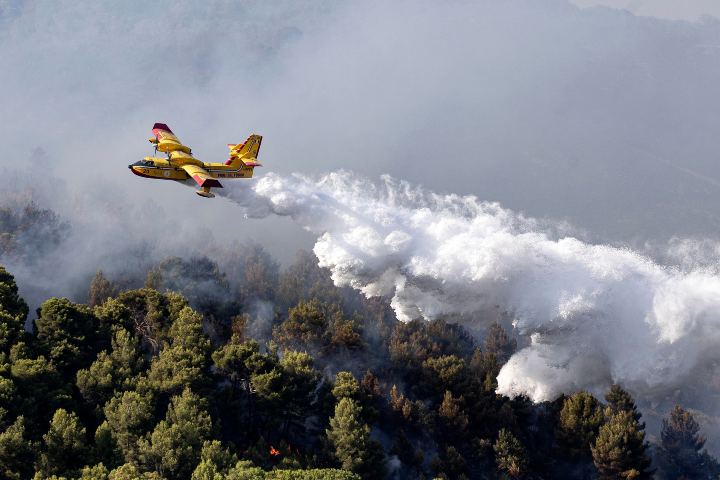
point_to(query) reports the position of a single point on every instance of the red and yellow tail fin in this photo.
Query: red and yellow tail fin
(245, 153)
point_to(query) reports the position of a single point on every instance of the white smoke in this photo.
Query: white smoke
(592, 314)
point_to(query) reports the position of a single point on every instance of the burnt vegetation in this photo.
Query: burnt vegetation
(248, 371)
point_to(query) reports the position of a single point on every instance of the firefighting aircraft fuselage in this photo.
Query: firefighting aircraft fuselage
(180, 165)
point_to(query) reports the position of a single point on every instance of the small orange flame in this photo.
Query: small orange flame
(273, 451)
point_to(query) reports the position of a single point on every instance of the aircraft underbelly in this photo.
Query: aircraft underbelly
(161, 173)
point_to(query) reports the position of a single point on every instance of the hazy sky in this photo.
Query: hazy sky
(669, 9)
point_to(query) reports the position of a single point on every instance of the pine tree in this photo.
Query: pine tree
(510, 455)
(260, 274)
(485, 367)
(40, 389)
(186, 361)
(620, 401)
(453, 415)
(96, 472)
(681, 445)
(129, 416)
(620, 448)
(65, 445)
(67, 333)
(230, 360)
(130, 471)
(16, 452)
(371, 385)
(215, 461)
(446, 372)
(13, 312)
(111, 371)
(173, 449)
(499, 344)
(350, 439)
(346, 386)
(580, 420)
(10, 300)
(100, 289)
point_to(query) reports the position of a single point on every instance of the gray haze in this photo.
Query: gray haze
(669, 9)
(588, 115)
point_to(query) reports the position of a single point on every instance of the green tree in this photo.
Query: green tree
(258, 274)
(484, 367)
(112, 371)
(130, 471)
(96, 472)
(129, 416)
(146, 313)
(198, 279)
(510, 455)
(17, 454)
(173, 449)
(230, 361)
(305, 280)
(621, 401)
(8, 393)
(350, 439)
(10, 300)
(299, 393)
(245, 470)
(580, 420)
(106, 450)
(67, 333)
(446, 372)
(185, 362)
(681, 445)
(620, 448)
(453, 415)
(100, 289)
(414, 342)
(215, 462)
(311, 474)
(346, 386)
(40, 389)
(66, 449)
(451, 464)
(499, 344)
(317, 325)
(13, 312)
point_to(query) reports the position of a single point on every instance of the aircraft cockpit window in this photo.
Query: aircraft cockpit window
(144, 163)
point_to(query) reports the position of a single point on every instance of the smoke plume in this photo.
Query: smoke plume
(591, 314)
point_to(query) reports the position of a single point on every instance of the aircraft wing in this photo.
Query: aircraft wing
(201, 176)
(166, 140)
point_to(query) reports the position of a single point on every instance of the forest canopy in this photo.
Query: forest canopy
(251, 371)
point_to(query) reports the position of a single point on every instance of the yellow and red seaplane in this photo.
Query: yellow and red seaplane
(180, 165)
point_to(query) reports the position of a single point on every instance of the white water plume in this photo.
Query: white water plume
(593, 314)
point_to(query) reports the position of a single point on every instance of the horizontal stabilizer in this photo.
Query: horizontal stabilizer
(246, 153)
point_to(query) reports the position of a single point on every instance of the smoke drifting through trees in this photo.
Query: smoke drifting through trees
(591, 314)
(141, 383)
